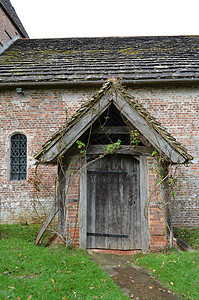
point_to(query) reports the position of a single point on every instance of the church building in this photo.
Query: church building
(101, 132)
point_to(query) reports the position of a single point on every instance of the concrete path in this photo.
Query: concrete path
(134, 281)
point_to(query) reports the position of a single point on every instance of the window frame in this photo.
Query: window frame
(10, 158)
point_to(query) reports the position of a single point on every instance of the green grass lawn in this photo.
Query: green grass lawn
(176, 269)
(36, 272)
(190, 236)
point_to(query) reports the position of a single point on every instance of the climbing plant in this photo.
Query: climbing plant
(165, 174)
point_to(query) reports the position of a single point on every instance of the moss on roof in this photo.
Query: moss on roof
(97, 59)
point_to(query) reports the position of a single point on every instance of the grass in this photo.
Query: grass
(177, 270)
(190, 236)
(32, 272)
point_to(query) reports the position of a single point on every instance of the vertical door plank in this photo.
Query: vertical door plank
(114, 203)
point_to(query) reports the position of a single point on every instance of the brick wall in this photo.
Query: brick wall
(73, 201)
(178, 110)
(7, 29)
(37, 114)
(156, 210)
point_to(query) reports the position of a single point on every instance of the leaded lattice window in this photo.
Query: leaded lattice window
(18, 157)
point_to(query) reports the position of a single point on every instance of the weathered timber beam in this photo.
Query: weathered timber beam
(112, 129)
(60, 147)
(123, 149)
(46, 223)
(147, 130)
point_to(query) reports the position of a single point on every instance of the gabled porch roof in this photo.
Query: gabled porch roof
(113, 92)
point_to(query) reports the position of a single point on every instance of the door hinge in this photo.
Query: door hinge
(108, 234)
(108, 172)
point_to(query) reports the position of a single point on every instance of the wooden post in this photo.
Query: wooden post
(83, 207)
(61, 198)
(143, 200)
(165, 202)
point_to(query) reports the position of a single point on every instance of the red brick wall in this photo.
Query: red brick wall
(178, 110)
(72, 201)
(37, 114)
(6, 26)
(157, 229)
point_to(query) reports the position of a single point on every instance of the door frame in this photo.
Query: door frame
(143, 199)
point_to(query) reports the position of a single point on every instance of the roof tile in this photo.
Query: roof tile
(97, 59)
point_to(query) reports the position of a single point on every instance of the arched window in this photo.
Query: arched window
(18, 157)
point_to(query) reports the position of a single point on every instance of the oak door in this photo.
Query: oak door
(113, 195)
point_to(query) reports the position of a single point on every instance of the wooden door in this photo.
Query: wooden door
(114, 213)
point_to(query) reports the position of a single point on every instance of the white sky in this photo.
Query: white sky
(89, 18)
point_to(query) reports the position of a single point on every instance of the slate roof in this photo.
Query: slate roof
(70, 60)
(112, 83)
(10, 11)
